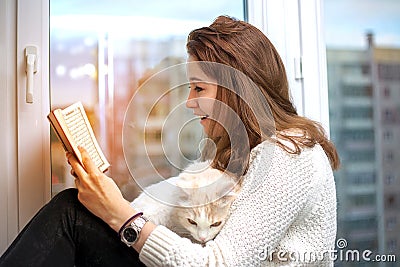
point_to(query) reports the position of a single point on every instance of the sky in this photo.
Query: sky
(347, 22)
(150, 18)
(195, 10)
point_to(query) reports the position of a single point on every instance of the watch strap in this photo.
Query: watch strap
(135, 225)
(140, 222)
(128, 221)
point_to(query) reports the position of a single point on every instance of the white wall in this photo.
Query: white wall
(8, 125)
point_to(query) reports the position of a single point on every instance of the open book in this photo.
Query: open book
(73, 129)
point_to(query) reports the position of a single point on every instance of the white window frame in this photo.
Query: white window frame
(34, 171)
(26, 131)
(295, 28)
(8, 132)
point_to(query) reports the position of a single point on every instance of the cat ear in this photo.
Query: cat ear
(184, 193)
(184, 185)
(231, 194)
(227, 188)
(227, 200)
(225, 185)
(198, 166)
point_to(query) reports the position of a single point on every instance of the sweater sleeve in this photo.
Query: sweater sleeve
(274, 192)
(165, 248)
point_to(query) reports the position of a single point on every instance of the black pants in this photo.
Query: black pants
(65, 233)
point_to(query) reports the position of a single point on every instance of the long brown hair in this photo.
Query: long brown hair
(243, 47)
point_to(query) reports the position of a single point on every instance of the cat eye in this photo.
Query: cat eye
(191, 221)
(215, 224)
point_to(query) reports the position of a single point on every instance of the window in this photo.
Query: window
(391, 223)
(362, 200)
(387, 135)
(390, 179)
(389, 72)
(386, 92)
(361, 178)
(389, 115)
(391, 201)
(392, 245)
(388, 157)
(102, 54)
(363, 72)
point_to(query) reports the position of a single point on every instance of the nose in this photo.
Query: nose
(191, 101)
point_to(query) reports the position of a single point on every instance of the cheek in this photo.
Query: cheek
(206, 105)
(191, 229)
(181, 218)
(211, 233)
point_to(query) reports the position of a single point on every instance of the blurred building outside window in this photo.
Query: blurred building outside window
(100, 54)
(363, 57)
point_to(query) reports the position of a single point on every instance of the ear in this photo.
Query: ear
(183, 201)
(227, 199)
(231, 194)
(227, 188)
(184, 185)
(225, 185)
(198, 166)
(183, 193)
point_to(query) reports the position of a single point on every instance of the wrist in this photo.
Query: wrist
(130, 231)
(121, 217)
(131, 219)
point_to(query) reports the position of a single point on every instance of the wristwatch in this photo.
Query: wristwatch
(130, 233)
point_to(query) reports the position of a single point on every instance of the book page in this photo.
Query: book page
(79, 128)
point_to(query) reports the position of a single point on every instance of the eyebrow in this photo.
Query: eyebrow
(195, 79)
(201, 80)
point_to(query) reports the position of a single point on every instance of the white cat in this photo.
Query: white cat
(194, 204)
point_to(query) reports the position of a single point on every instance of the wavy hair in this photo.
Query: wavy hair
(243, 47)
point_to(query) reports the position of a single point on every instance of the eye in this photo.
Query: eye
(198, 89)
(191, 221)
(215, 224)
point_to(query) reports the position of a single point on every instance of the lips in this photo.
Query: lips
(201, 116)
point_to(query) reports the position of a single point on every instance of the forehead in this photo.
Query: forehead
(195, 73)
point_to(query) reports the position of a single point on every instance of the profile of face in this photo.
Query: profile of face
(202, 95)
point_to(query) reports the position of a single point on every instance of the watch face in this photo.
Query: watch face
(130, 235)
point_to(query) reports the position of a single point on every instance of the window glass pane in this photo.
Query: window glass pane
(363, 57)
(100, 53)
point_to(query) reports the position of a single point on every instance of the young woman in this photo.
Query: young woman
(285, 212)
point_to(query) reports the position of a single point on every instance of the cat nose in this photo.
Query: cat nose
(202, 239)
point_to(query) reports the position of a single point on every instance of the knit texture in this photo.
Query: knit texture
(285, 215)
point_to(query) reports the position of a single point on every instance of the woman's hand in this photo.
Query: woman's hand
(98, 192)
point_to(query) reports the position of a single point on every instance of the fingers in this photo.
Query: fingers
(77, 183)
(73, 173)
(87, 161)
(77, 168)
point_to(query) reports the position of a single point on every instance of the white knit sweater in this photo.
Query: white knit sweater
(287, 205)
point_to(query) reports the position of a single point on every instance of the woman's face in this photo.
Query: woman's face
(203, 92)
